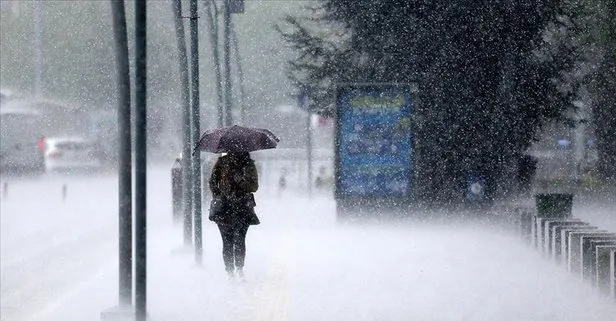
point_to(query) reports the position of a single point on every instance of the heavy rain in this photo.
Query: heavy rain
(308, 160)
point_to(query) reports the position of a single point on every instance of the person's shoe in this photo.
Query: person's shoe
(230, 274)
(240, 274)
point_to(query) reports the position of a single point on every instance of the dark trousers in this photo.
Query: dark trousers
(233, 245)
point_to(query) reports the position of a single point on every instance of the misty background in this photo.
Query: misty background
(495, 78)
(501, 84)
(78, 67)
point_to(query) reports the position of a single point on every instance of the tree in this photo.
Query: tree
(590, 34)
(604, 88)
(485, 91)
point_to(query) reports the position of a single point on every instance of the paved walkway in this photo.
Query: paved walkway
(302, 265)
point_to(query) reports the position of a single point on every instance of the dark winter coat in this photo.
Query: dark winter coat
(233, 181)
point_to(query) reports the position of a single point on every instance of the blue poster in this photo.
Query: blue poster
(374, 144)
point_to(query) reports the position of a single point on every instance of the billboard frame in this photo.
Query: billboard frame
(354, 202)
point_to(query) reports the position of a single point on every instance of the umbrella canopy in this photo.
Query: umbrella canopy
(236, 139)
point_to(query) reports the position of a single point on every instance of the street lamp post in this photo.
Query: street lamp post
(196, 128)
(140, 160)
(38, 48)
(226, 60)
(124, 155)
(186, 134)
(212, 21)
(230, 6)
(240, 73)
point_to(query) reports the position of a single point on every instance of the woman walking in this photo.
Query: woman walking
(232, 182)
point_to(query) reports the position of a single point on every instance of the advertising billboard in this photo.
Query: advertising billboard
(374, 141)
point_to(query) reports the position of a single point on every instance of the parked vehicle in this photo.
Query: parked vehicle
(71, 153)
(21, 141)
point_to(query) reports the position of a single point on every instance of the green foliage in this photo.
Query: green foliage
(592, 38)
(604, 90)
(485, 87)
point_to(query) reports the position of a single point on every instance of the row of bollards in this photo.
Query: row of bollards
(5, 191)
(176, 191)
(583, 249)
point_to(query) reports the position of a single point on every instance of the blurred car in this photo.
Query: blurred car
(20, 142)
(71, 153)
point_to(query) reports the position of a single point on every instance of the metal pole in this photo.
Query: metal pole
(227, 68)
(186, 137)
(38, 48)
(140, 160)
(240, 73)
(125, 193)
(212, 21)
(309, 152)
(196, 120)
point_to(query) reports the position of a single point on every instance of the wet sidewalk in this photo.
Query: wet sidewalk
(301, 265)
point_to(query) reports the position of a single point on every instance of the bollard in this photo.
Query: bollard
(602, 267)
(575, 249)
(525, 225)
(612, 274)
(539, 222)
(589, 249)
(550, 229)
(543, 231)
(176, 190)
(556, 245)
(534, 240)
(282, 183)
(538, 232)
(64, 192)
(547, 232)
(565, 234)
(595, 264)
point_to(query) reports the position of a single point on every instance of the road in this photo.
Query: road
(58, 262)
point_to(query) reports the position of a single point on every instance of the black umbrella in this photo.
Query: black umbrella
(236, 139)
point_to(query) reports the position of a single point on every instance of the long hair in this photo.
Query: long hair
(240, 157)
